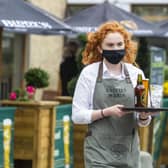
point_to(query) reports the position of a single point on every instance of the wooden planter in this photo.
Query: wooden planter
(34, 132)
(79, 137)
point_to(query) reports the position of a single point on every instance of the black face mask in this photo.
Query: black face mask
(113, 56)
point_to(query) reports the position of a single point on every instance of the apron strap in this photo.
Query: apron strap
(127, 76)
(100, 72)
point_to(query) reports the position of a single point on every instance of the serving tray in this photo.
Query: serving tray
(145, 109)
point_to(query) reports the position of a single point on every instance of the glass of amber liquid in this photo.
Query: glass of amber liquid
(145, 82)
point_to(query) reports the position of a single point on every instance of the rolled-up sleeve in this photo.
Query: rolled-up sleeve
(81, 112)
(144, 123)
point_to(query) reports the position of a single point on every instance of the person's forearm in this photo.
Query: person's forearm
(97, 114)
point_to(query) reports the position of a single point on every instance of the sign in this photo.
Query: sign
(158, 56)
(7, 113)
(26, 24)
(63, 152)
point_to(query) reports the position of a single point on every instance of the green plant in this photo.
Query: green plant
(71, 85)
(18, 94)
(21, 94)
(37, 77)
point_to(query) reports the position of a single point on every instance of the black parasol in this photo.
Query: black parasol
(90, 18)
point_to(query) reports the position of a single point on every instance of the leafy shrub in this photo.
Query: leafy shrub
(37, 77)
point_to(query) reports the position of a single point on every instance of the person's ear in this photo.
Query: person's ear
(100, 49)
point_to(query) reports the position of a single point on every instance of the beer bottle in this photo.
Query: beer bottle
(140, 93)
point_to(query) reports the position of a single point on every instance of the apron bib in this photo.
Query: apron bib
(112, 142)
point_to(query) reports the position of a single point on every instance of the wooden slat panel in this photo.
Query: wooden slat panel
(79, 136)
(34, 132)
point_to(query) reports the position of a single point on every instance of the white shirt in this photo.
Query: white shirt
(83, 97)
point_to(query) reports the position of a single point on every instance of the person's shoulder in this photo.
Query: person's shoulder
(133, 69)
(90, 70)
(91, 67)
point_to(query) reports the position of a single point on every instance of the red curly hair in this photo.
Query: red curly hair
(91, 53)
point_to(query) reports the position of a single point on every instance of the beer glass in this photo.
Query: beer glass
(145, 82)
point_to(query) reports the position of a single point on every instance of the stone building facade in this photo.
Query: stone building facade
(46, 51)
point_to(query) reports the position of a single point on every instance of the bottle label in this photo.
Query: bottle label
(142, 99)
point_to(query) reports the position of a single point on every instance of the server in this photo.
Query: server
(106, 85)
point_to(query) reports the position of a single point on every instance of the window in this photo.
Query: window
(153, 13)
(11, 63)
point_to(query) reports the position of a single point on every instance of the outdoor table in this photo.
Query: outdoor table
(63, 99)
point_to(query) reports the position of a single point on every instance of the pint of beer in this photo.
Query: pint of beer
(66, 123)
(7, 125)
(145, 82)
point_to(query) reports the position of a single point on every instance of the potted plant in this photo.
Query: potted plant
(36, 78)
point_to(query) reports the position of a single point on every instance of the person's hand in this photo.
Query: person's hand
(144, 115)
(115, 110)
